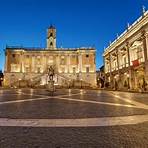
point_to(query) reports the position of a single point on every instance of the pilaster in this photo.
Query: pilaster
(6, 61)
(22, 63)
(80, 62)
(145, 46)
(130, 72)
(33, 63)
(144, 40)
(68, 63)
(110, 66)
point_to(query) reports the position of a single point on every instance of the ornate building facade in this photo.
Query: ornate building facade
(126, 59)
(30, 65)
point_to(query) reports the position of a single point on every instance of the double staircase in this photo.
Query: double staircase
(65, 81)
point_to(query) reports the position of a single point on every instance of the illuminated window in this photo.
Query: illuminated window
(15, 68)
(38, 70)
(87, 69)
(62, 61)
(27, 56)
(73, 56)
(63, 69)
(74, 70)
(13, 55)
(38, 61)
(27, 70)
(87, 56)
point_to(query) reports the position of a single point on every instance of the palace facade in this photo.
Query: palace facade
(29, 66)
(126, 59)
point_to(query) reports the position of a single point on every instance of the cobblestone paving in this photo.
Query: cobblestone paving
(135, 136)
(140, 97)
(72, 104)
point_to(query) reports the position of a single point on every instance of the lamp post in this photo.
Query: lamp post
(81, 83)
(115, 85)
(69, 84)
(19, 82)
(128, 85)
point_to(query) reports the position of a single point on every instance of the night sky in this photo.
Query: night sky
(79, 23)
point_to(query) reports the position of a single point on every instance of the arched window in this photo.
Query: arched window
(51, 43)
(51, 34)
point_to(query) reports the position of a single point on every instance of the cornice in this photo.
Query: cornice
(135, 27)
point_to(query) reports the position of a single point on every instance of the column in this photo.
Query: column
(30, 63)
(128, 53)
(68, 63)
(22, 63)
(130, 72)
(80, 63)
(119, 78)
(145, 46)
(57, 63)
(32, 70)
(144, 40)
(117, 53)
(46, 57)
(146, 35)
(111, 79)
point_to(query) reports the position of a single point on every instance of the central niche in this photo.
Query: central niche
(50, 60)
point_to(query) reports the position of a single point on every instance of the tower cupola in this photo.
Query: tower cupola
(51, 38)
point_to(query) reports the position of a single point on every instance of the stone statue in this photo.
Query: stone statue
(51, 74)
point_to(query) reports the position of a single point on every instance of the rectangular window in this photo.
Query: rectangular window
(62, 61)
(15, 68)
(63, 70)
(27, 69)
(13, 55)
(73, 56)
(38, 70)
(124, 61)
(74, 70)
(27, 56)
(87, 56)
(87, 69)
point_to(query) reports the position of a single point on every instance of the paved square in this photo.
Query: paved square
(73, 118)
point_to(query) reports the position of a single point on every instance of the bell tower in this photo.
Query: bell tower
(51, 38)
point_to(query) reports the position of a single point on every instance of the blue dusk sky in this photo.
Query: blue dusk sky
(79, 23)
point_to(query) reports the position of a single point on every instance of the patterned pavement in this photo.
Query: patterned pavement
(71, 109)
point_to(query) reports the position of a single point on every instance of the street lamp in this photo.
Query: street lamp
(81, 83)
(68, 84)
(128, 85)
(115, 85)
(19, 82)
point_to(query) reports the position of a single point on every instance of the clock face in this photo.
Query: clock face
(51, 38)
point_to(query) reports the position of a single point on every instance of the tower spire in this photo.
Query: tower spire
(51, 38)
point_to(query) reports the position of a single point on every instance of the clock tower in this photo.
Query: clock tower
(51, 38)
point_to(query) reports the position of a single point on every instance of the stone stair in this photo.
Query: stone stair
(35, 82)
